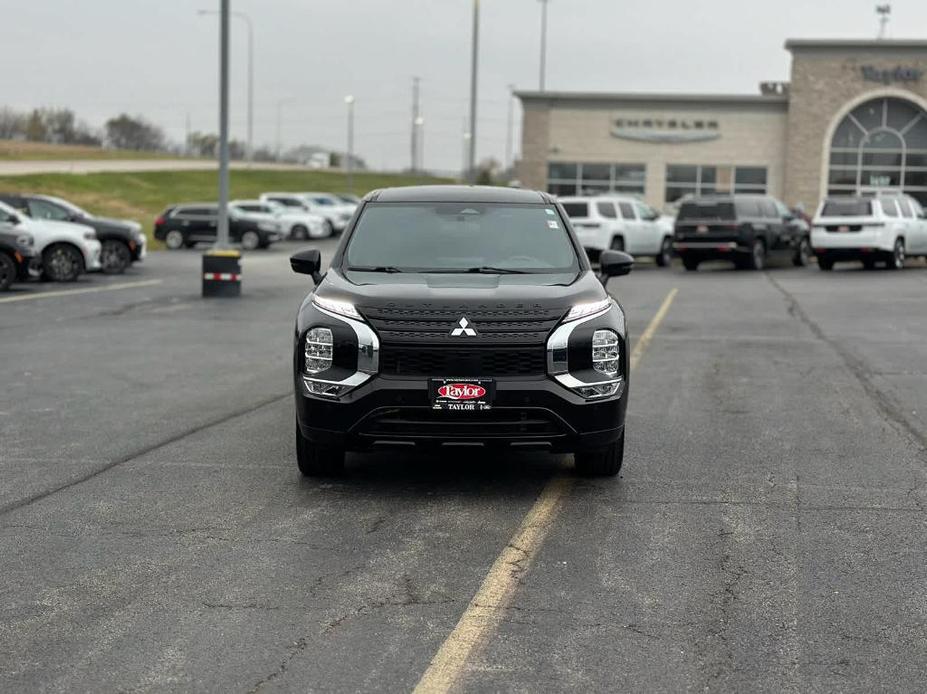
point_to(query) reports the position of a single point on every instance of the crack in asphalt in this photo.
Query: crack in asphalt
(106, 467)
(855, 366)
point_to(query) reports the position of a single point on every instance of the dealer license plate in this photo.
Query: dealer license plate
(461, 394)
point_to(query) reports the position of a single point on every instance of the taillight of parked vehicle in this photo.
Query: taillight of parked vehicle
(159, 221)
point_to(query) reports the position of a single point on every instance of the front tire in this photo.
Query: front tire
(757, 259)
(317, 461)
(175, 240)
(896, 262)
(803, 254)
(601, 462)
(328, 229)
(116, 257)
(299, 233)
(62, 263)
(7, 272)
(665, 257)
(250, 240)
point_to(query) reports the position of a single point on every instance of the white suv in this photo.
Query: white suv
(886, 227)
(296, 222)
(65, 250)
(620, 223)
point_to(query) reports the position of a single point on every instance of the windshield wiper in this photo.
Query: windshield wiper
(375, 268)
(490, 270)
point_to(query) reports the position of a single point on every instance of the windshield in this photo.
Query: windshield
(70, 206)
(707, 210)
(848, 207)
(460, 237)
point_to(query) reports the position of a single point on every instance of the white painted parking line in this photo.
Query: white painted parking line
(86, 290)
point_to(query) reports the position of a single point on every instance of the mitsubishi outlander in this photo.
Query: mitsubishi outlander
(460, 315)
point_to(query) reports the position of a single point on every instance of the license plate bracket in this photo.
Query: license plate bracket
(462, 394)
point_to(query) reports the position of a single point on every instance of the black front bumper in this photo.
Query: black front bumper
(529, 412)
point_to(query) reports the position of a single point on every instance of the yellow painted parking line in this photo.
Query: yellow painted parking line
(485, 610)
(86, 290)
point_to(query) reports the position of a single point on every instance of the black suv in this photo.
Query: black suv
(17, 251)
(746, 229)
(184, 225)
(460, 315)
(122, 240)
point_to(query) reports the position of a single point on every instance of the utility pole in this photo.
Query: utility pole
(222, 230)
(474, 65)
(883, 11)
(543, 69)
(510, 127)
(416, 115)
(420, 122)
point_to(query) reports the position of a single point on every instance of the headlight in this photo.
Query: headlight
(318, 350)
(342, 308)
(605, 352)
(90, 235)
(268, 226)
(24, 240)
(583, 310)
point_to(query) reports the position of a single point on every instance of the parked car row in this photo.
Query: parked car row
(54, 239)
(257, 223)
(752, 229)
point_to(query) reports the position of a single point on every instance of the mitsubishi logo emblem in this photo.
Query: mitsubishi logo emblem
(463, 329)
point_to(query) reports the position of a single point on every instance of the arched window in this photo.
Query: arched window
(880, 144)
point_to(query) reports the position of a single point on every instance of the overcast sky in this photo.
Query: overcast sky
(159, 59)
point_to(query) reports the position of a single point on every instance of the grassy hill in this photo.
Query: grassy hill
(142, 196)
(16, 150)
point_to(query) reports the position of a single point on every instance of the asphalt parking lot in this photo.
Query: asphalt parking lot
(768, 531)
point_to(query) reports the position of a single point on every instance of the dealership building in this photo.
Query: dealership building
(852, 119)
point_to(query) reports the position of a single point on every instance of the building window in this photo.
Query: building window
(881, 144)
(568, 178)
(687, 179)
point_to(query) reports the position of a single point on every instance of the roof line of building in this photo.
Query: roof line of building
(918, 44)
(653, 96)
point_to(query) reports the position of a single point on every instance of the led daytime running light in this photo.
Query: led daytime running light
(342, 308)
(583, 310)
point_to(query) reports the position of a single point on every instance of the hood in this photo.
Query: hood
(109, 224)
(456, 292)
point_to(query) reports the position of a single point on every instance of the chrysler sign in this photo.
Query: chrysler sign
(665, 130)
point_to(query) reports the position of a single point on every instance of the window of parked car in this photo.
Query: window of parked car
(889, 207)
(768, 209)
(627, 210)
(195, 211)
(707, 210)
(576, 209)
(846, 207)
(747, 208)
(905, 208)
(289, 202)
(42, 209)
(607, 210)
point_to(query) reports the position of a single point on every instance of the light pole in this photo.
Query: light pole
(543, 68)
(465, 173)
(249, 155)
(471, 158)
(349, 159)
(420, 150)
(222, 230)
(510, 128)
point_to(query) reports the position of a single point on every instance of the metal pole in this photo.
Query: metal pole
(471, 158)
(420, 122)
(415, 117)
(349, 160)
(509, 128)
(222, 233)
(543, 69)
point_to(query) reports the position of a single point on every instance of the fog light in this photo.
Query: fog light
(332, 390)
(318, 350)
(602, 390)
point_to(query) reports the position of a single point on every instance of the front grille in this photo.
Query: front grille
(496, 325)
(449, 362)
(498, 423)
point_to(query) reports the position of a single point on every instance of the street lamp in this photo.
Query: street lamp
(349, 159)
(471, 157)
(543, 68)
(467, 139)
(247, 20)
(510, 127)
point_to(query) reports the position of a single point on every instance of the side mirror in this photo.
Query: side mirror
(308, 262)
(615, 263)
